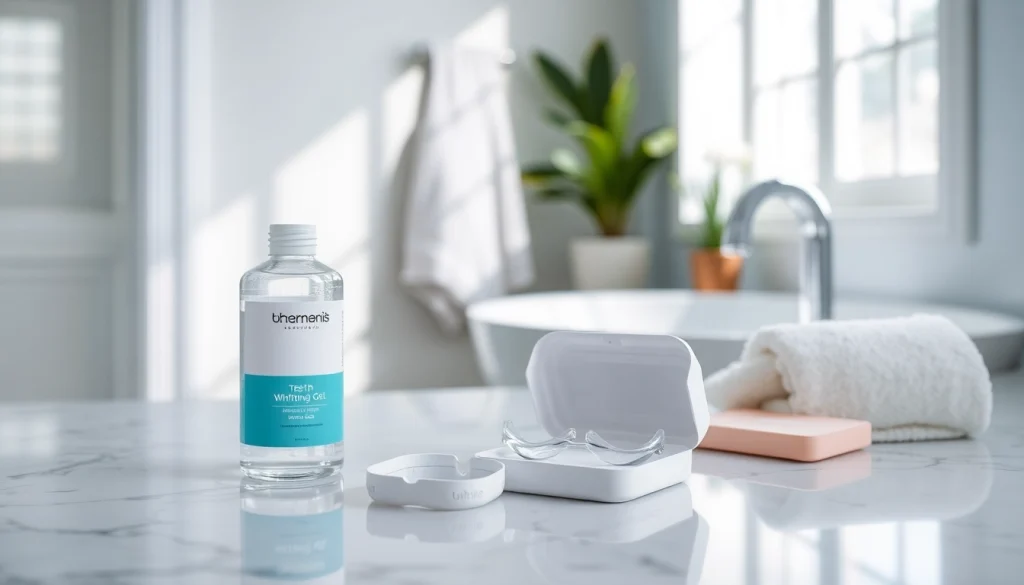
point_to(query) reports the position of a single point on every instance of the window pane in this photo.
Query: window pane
(785, 39)
(918, 18)
(701, 21)
(864, 121)
(919, 109)
(863, 24)
(767, 134)
(712, 99)
(786, 132)
(30, 101)
(711, 92)
(800, 130)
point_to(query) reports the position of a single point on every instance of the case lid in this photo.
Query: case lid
(625, 387)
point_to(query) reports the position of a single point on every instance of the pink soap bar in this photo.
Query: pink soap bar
(785, 436)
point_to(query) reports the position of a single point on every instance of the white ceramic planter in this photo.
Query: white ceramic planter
(610, 263)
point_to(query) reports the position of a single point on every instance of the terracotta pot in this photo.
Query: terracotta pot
(610, 263)
(710, 269)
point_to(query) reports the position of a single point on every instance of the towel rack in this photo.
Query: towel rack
(507, 57)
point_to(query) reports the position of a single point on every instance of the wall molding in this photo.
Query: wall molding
(175, 142)
(158, 263)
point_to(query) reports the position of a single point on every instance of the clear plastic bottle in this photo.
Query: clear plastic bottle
(292, 364)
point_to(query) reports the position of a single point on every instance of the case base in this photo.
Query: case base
(578, 475)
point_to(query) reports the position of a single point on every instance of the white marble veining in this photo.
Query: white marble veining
(149, 494)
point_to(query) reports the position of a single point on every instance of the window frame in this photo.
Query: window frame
(945, 203)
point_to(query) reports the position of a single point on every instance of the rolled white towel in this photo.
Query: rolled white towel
(913, 378)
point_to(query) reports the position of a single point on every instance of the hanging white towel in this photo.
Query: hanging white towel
(913, 378)
(466, 235)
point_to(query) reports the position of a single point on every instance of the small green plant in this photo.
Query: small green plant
(713, 226)
(598, 117)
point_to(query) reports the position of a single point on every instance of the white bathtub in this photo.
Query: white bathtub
(715, 325)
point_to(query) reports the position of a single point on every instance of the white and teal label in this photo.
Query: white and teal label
(292, 374)
(292, 411)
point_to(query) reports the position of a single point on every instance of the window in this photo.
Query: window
(30, 88)
(850, 95)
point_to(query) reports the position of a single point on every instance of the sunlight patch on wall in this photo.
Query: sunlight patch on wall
(220, 251)
(490, 31)
(328, 183)
(161, 314)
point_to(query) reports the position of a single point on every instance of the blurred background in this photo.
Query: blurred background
(146, 145)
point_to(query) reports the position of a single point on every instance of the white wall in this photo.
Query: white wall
(310, 107)
(988, 274)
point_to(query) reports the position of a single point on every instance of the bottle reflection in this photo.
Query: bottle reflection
(293, 534)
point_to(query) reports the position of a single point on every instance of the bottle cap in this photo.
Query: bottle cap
(292, 239)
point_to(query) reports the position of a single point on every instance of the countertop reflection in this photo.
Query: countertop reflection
(134, 493)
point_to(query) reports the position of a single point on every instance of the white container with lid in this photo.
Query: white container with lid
(624, 387)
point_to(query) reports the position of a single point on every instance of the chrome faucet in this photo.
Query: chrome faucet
(812, 211)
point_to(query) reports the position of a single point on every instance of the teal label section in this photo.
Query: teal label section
(292, 548)
(292, 411)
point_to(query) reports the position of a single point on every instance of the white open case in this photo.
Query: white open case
(625, 387)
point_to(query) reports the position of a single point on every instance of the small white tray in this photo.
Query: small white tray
(625, 387)
(433, 480)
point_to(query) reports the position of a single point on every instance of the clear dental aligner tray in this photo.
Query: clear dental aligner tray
(624, 388)
(600, 448)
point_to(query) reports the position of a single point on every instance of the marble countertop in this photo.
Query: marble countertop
(126, 493)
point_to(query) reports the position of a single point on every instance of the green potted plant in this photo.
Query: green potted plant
(605, 172)
(710, 268)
